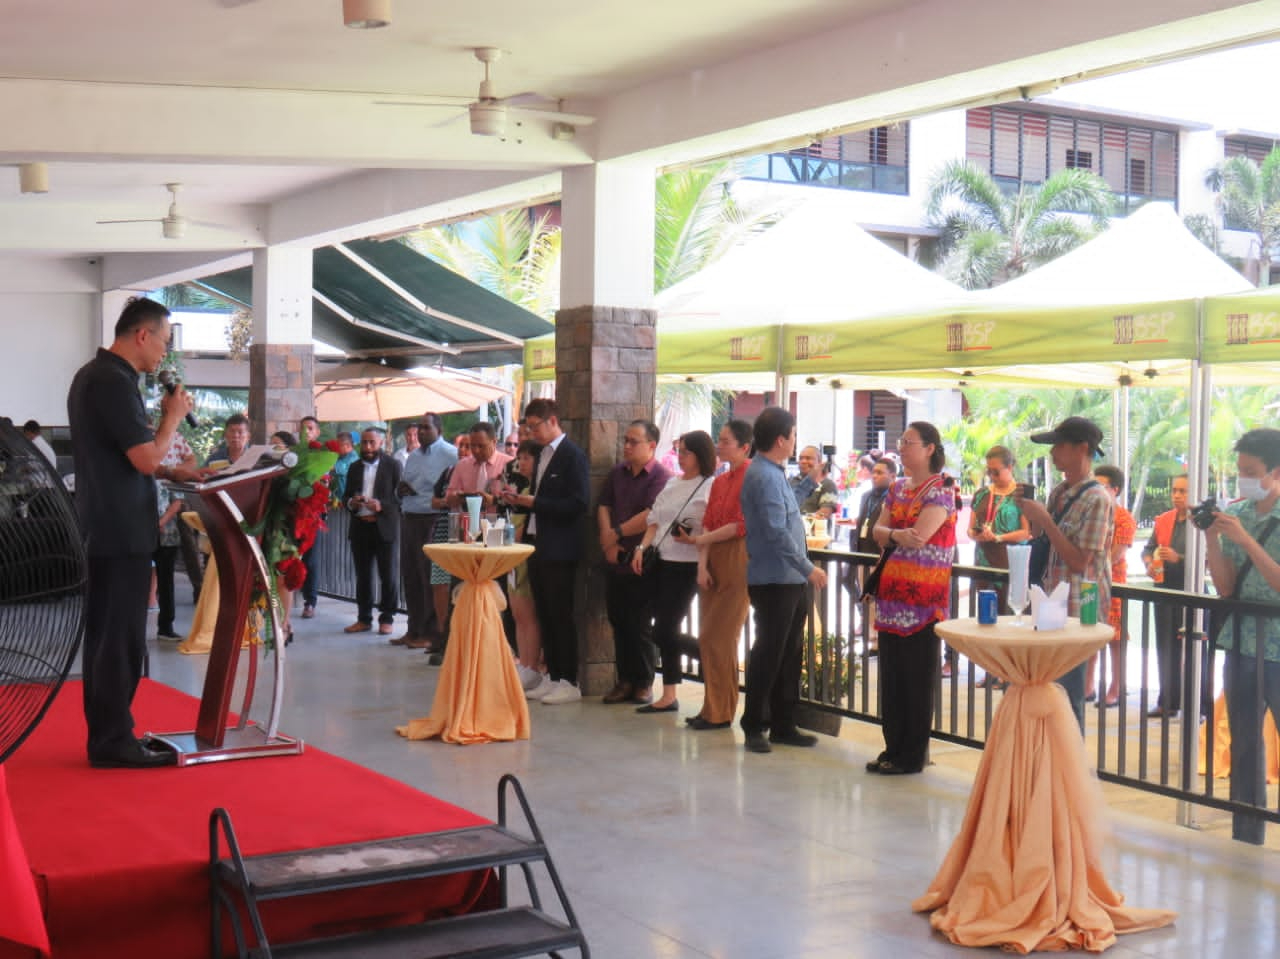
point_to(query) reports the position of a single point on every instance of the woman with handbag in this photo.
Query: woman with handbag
(674, 518)
(723, 603)
(995, 522)
(917, 529)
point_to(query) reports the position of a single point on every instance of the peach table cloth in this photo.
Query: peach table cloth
(479, 698)
(199, 641)
(1222, 742)
(1024, 873)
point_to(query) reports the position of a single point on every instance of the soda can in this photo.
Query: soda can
(1088, 603)
(988, 607)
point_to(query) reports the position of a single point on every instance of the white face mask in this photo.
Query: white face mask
(1251, 488)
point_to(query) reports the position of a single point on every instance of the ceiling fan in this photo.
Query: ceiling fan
(174, 225)
(489, 112)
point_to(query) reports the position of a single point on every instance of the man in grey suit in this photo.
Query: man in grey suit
(375, 528)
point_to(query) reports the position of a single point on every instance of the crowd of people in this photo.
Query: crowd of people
(716, 519)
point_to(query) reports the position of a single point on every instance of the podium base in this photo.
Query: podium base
(248, 743)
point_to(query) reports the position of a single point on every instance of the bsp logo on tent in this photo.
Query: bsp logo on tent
(745, 349)
(815, 346)
(1130, 328)
(1244, 329)
(965, 335)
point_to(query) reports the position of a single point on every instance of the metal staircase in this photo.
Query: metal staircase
(508, 931)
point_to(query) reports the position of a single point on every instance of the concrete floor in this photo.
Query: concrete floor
(676, 844)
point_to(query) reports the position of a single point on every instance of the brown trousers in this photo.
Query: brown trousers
(722, 612)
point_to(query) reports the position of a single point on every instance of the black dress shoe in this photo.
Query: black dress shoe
(133, 755)
(888, 768)
(756, 743)
(671, 707)
(793, 737)
(621, 693)
(697, 722)
(1161, 713)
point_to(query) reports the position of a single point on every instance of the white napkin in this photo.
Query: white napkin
(1050, 612)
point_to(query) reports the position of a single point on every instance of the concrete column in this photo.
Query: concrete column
(605, 352)
(281, 358)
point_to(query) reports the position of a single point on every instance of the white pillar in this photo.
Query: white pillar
(606, 254)
(282, 295)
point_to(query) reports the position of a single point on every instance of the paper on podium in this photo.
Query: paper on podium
(246, 461)
(1050, 612)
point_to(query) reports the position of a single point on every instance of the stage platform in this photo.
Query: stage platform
(120, 857)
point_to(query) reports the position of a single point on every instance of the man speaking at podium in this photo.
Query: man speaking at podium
(116, 456)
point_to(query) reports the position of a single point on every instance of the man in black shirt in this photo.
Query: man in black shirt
(116, 456)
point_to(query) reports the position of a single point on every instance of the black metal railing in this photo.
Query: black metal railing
(839, 675)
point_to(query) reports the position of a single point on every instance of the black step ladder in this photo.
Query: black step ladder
(508, 931)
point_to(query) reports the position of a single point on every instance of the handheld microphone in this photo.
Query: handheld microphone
(170, 384)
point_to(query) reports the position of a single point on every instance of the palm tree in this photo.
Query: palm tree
(512, 253)
(697, 220)
(989, 236)
(1249, 197)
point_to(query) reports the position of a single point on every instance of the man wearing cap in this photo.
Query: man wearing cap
(1079, 520)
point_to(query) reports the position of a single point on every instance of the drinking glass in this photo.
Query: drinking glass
(1019, 567)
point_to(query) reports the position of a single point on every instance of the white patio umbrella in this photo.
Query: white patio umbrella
(370, 392)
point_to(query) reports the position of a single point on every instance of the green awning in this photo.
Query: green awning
(363, 314)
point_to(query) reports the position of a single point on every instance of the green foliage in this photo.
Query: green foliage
(697, 220)
(1249, 198)
(512, 253)
(988, 236)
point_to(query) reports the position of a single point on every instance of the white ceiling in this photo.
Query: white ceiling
(266, 110)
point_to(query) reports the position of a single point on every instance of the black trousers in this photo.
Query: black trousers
(554, 586)
(1170, 618)
(191, 558)
(908, 672)
(676, 585)
(773, 663)
(165, 558)
(628, 603)
(115, 645)
(416, 530)
(368, 549)
(1249, 696)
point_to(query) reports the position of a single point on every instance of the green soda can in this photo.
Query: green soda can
(1088, 603)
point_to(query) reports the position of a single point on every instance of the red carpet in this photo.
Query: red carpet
(120, 857)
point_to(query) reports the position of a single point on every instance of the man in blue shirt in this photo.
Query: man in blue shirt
(1243, 550)
(778, 576)
(426, 587)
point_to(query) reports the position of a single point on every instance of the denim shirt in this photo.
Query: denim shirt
(422, 468)
(776, 551)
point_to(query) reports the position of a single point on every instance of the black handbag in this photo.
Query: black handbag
(649, 558)
(871, 586)
(1038, 564)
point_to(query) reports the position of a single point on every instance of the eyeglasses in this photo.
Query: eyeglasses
(903, 444)
(512, 446)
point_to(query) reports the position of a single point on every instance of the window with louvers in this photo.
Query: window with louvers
(1019, 146)
(874, 160)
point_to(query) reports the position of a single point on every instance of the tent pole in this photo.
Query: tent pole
(1200, 407)
(1120, 430)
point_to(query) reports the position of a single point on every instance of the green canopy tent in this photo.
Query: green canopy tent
(375, 298)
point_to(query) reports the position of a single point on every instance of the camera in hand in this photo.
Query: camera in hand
(1026, 491)
(1203, 515)
(681, 525)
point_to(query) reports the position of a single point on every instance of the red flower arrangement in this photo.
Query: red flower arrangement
(295, 515)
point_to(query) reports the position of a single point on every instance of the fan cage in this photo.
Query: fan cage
(42, 586)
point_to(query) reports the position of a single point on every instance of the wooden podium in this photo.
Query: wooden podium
(224, 505)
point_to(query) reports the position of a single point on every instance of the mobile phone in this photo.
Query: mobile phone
(1026, 491)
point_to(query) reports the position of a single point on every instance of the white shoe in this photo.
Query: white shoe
(545, 686)
(529, 678)
(565, 692)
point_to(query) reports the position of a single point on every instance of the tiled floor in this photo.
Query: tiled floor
(676, 844)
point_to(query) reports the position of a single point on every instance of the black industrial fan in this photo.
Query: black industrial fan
(42, 586)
